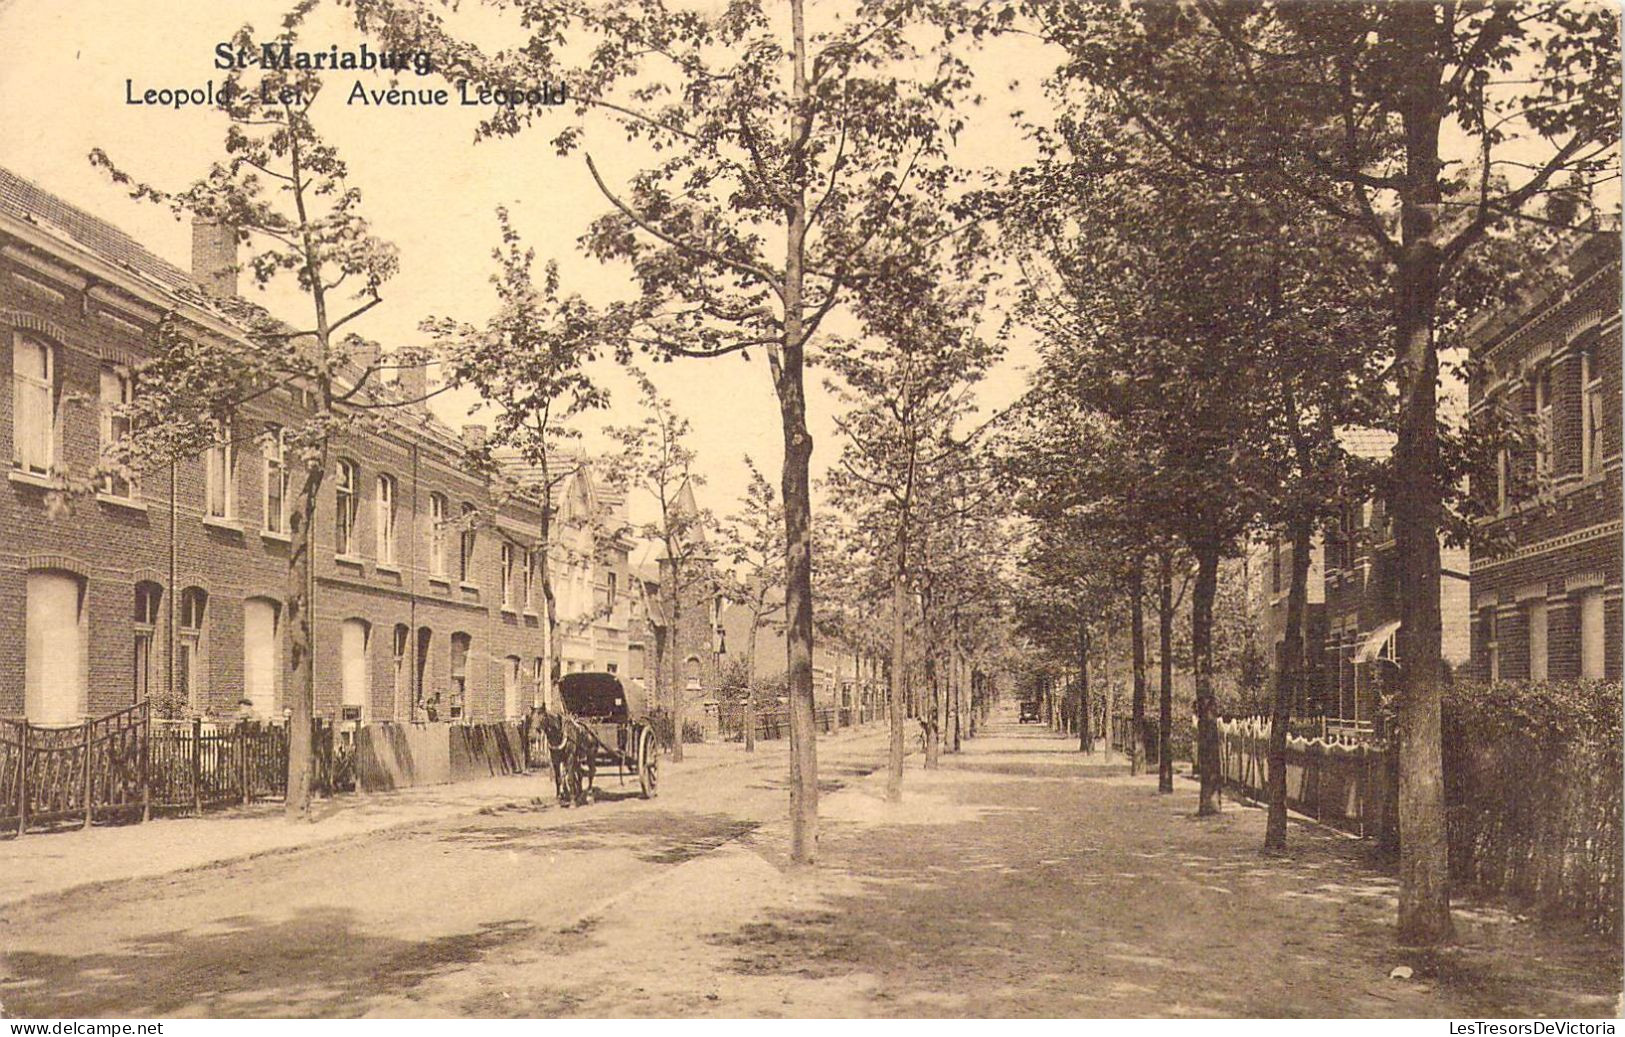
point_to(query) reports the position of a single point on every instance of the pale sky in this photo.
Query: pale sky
(426, 187)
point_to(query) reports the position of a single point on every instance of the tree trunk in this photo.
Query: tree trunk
(675, 658)
(930, 712)
(551, 664)
(1086, 739)
(1207, 704)
(1136, 615)
(750, 680)
(894, 695)
(1288, 683)
(300, 687)
(1106, 696)
(1424, 872)
(796, 489)
(1165, 667)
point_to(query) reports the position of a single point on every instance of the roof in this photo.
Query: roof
(1372, 444)
(28, 201)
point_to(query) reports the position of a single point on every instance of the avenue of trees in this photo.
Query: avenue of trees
(1240, 231)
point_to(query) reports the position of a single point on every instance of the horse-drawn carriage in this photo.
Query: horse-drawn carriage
(604, 724)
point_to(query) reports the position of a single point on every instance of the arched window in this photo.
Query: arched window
(54, 660)
(400, 645)
(438, 514)
(260, 644)
(354, 676)
(691, 667)
(148, 595)
(33, 397)
(388, 506)
(512, 703)
(426, 696)
(345, 501)
(460, 643)
(191, 677)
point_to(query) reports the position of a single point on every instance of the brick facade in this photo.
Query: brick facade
(1555, 517)
(94, 297)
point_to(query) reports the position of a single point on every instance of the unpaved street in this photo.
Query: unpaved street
(1020, 879)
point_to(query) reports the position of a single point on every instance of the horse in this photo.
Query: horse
(571, 750)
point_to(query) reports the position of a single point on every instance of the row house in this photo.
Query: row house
(1546, 587)
(1271, 577)
(170, 587)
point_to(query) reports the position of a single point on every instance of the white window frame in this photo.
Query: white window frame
(529, 559)
(1592, 436)
(505, 576)
(275, 518)
(114, 428)
(42, 393)
(438, 506)
(346, 508)
(220, 475)
(388, 501)
(1542, 378)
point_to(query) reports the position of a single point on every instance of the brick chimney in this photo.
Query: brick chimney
(363, 354)
(413, 382)
(214, 256)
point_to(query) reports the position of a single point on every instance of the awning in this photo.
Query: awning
(1379, 644)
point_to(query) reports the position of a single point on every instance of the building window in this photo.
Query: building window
(635, 656)
(437, 534)
(460, 643)
(538, 679)
(388, 506)
(276, 481)
(1591, 413)
(190, 678)
(529, 560)
(1503, 478)
(33, 428)
(260, 643)
(691, 670)
(506, 575)
(1492, 646)
(427, 698)
(1592, 629)
(220, 470)
(511, 702)
(118, 390)
(398, 668)
(465, 553)
(55, 648)
(1541, 387)
(610, 583)
(147, 597)
(354, 677)
(345, 512)
(1536, 619)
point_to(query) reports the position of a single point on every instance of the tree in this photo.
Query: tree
(788, 165)
(281, 188)
(655, 459)
(529, 361)
(754, 546)
(1348, 106)
(906, 389)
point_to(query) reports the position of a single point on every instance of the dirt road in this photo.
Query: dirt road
(1020, 879)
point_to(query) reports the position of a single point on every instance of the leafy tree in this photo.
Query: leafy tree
(529, 362)
(1346, 106)
(655, 459)
(753, 540)
(282, 188)
(788, 164)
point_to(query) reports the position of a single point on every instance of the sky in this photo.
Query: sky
(426, 186)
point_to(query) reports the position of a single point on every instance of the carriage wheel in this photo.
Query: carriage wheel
(648, 764)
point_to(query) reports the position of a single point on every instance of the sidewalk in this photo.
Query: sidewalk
(1024, 879)
(45, 863)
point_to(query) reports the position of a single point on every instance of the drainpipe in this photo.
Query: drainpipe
(173, 578)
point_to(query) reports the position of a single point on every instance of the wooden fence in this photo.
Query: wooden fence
(1349, 786)
(773, 723)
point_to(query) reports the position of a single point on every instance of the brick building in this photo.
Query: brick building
(1546, 600)
(171, 587)
(1271, 573)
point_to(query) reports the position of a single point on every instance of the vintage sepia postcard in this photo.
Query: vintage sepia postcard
(803, 509)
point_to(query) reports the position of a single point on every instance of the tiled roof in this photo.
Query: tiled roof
(1372, 444)
(27, 200)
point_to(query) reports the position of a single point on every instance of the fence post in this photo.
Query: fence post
(90, 780)
(242, 759)
(146, 763)
(22, 777)
(197, 765)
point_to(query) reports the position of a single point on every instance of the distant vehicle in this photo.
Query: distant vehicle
(1029, 711)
